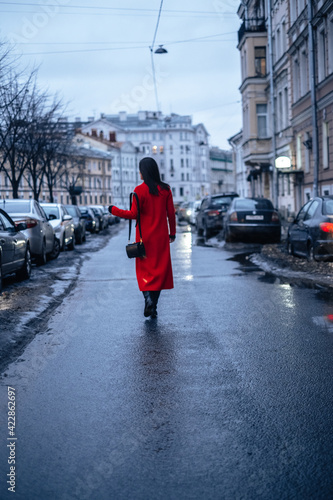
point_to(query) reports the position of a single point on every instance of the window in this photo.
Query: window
(171, 150)
(321, 56)
(304, 73)
(296, 75)
(181, 191)
(299, 151)
(262, 120)
(280, 112)
(325, 145)
(182, 177)
(286, 107)
(312, 210)
(161, 149)
(182, 162)
(330, 45)
(260, 61)
(307, 153)
(278, 44)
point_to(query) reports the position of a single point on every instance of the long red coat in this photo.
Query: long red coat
(155, 271)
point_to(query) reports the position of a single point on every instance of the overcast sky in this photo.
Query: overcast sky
(96, 55)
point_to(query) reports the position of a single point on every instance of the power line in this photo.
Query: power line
(73, 51)
(144, 43)
(126, 9)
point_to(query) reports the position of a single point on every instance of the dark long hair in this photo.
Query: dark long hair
(151, 175)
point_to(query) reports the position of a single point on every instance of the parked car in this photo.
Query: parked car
(183, 214)
(14, 249)
(89, 217)
(252, 219)
(79, 223)
(39, 231)
(193, 209)
(101, 215)
(310, 235)
(62, 224)
(211, 213)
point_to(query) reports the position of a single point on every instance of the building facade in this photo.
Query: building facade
(286, 51)
(180, 148)
(222, 177)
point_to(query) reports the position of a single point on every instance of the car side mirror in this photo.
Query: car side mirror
(67, 217)
(21, 226)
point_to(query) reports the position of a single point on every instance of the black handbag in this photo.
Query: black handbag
(135, 250)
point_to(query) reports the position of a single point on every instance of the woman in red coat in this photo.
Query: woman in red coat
(153, 272)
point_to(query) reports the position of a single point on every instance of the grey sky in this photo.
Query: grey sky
(199, 77)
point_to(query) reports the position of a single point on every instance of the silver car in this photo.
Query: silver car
(62, 222)
(40, 233)
(14, 249)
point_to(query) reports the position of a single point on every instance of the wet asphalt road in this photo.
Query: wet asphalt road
(227, 395)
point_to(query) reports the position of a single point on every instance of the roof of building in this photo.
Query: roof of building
(218, 154)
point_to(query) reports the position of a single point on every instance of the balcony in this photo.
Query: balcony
(254, 25)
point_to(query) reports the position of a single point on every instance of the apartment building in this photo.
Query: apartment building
(180, 148)
(311, 55)
(287, 94)
(221, 171)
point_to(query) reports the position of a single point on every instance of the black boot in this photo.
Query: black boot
(154, 297)
(149, 306)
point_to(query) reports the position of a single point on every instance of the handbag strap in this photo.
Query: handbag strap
(138, 216)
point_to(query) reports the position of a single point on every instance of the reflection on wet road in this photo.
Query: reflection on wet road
(228, 394)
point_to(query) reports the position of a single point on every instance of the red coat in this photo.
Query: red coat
(155, 271)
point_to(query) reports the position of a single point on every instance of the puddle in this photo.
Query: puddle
(245, 264)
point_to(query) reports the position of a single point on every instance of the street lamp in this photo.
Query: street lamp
(160, 50)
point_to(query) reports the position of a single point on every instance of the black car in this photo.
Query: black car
(210, 215)
(89, 216)
(15, 254)
(252, 219)
(311, 233)
(79, 223)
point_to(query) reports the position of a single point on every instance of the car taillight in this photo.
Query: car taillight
(233, 217)
(29, 222)
(327, 227)
(213, 213)
(275, 217)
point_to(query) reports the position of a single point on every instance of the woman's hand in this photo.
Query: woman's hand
(110, 209)
(172, 238)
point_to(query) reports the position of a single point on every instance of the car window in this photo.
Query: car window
(1, 225)
(219, 201)
(328, 207)
(49, 210)
(7, 224)
(204, 205)
(72, 211)
(312, 210)
(302, 212)
(14, 207)
(248, 204)
(39, 211)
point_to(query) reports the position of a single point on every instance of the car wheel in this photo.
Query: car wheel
(199, 231)
(71, 246)
(309, 252)
(207, 232)
(41, 259)
(79, 240)
(290, 247)
(229, 238)
(56, 249)
(25, 272)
